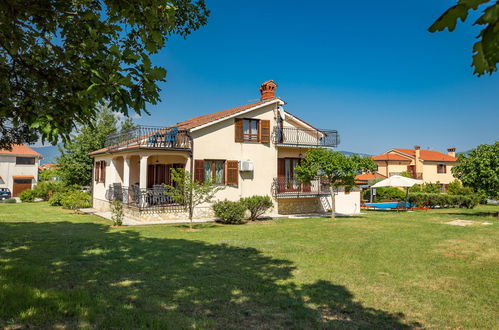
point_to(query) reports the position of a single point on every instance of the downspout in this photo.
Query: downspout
(191, 155)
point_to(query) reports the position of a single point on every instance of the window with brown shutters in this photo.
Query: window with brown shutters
(265, 131)
(232, 172)
(102, 177)
(238, 125)
(199, 170)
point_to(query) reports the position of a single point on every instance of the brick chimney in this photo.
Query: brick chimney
(417, 162)
(267, 90)
(451, 152)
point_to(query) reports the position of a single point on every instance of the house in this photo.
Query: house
(19, 168)
(250, 149)
(428, 165)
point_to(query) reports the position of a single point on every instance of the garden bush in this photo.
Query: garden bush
(45, 189)
(456, 188)
(56, 199)
(431, 188)
(76, 200)
(28, 195)
(257, 205)
(444, 200)
(386, 194)
(229, 212)
(118, 213)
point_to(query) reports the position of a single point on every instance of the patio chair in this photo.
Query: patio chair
(171, 137)
(401, 206)
(117, 192)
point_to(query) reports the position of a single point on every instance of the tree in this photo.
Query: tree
(480, 169)
(190, 193)
(60, 58)
(74, 163)
(486, 49)
(340, 170)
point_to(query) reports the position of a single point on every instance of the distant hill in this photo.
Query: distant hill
(348, 153)
(49, 154)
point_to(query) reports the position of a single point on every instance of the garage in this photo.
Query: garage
(20, 184)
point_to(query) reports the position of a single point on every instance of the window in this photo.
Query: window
(100, 171)
(25, 160)
(250, 130)
(441, 168)
(214, 171)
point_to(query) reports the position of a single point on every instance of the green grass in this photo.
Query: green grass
(379, 270)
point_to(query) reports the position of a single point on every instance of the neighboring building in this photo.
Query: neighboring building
(251, 150)
(19, 168)
(427, 165)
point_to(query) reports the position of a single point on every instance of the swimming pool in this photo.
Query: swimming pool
(386, 205)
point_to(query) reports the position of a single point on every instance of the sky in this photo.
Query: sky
(369, 69)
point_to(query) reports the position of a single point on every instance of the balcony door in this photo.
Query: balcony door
(160, 173)
(287, 175)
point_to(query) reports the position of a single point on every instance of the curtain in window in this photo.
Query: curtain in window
(219, 172)
(208, 174)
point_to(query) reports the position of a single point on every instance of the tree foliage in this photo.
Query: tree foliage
(190, 193)
(340, 170)
(60, 58)
(74, 163)
(486, 49)
(479, 169)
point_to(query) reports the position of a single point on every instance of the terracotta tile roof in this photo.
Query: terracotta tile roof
(20, 149)
(369, 176)
(430, 155)
(205, 119)
(387, 156)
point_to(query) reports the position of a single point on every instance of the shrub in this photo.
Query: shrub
(9, 201)
(229, 212)
(46, 189)
(56, 199)
(456, 188)
(444, 200)
(28, 195)
(117, 210)
(76, 200)
(386, 194)
(431, 188)
(257, 205)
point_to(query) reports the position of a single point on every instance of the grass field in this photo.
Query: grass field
(378, 270)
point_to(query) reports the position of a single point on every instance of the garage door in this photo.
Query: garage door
(20, 185)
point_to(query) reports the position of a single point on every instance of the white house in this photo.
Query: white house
(19, 168)
(251, 149)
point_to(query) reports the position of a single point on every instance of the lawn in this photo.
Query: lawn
(378, 270)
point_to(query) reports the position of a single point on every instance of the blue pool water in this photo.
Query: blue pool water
(386, 205)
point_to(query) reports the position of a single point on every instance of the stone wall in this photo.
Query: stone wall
(298, 205)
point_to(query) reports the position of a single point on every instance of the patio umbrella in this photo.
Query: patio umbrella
(398, 181)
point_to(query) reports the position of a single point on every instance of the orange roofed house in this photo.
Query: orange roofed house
(427, 165)
(251, 149)
(18, 168)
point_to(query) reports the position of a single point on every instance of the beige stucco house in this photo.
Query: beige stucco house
(428, 165)
(19, 168)
(250, 150)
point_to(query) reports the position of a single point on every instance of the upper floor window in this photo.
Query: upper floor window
(441, 168)
(25, 160)
(250, 130)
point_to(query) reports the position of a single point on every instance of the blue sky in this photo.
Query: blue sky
(368, 69)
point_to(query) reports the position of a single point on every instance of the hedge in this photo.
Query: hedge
(443, 200)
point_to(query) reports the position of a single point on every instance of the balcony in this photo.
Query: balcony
(150, 137)
(418, 176)
(297, 137)
(285, 187)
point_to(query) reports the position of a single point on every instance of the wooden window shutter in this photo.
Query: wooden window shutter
(264, 131)
(232, 172)
(199, 170)
(103, 171)
(96, 171)
(238, 125)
